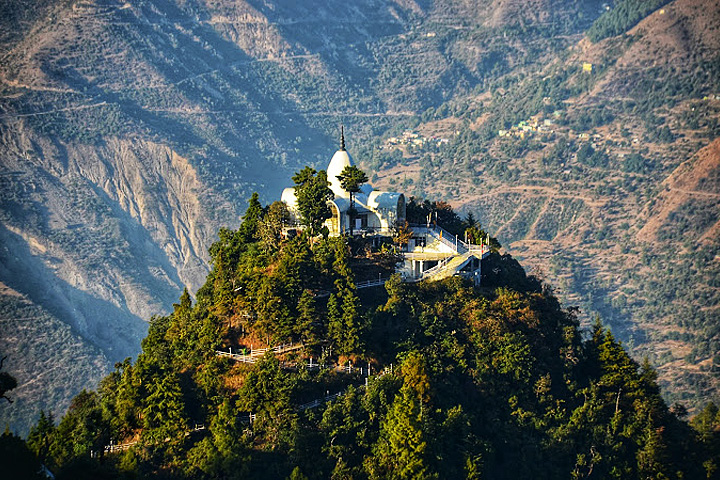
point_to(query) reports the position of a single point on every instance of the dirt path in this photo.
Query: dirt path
(49, 112)
(695, 192)
(541, 190)
(16, 84)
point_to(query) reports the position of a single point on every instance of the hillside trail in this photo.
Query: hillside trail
(539, 189)
(694, 192)
(36, 88)
(50, 112)
(549, 192)
(532, 230)
(199, 111)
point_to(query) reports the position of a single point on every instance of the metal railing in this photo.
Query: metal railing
(446, 238)
(450, 240)
(371, 283)
(121, 447)
(255, 354)
(437, 268)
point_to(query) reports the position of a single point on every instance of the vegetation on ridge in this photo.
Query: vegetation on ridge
(622, 17)
(494, 381)
(242, 92)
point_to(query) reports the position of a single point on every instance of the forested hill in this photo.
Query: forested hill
(495, 381)
(583, 133)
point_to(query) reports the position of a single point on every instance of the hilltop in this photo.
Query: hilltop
(441, 379)
(130, 131)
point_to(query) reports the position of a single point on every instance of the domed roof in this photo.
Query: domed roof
(339, 161)
(288, 196)
(384, 199)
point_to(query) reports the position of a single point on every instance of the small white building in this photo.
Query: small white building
(376, 212)
(431, 254)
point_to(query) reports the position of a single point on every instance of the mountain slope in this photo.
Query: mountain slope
(692, 185)
(571, 166)
(432, 379)
(132, 131)
(50, 362)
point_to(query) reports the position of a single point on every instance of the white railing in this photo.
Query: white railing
(450, 240)
(319, 401)
(371, 283)
(442, 235)
(437, 268)
(121, 447)
(237, 357)
(112, 448)
(255, 354)
(387, 232)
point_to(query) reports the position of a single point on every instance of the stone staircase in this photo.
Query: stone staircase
(459, 254)
(447, 269)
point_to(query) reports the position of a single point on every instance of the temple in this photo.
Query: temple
(376, 212)
(431, 253)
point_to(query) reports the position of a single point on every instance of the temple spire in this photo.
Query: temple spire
(342, 138)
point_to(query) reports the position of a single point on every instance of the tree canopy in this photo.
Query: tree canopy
(351, 179)
(7, 382)
(312, 191)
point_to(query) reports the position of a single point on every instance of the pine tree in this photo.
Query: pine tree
(344, 321)
(41, 435)
(345, 429)
(226, 430)
(271, 226)
(297, 474)
(312, 191)
(306, 325)
(164, 410)
(351, 179)
(344, 277)
(251, 219)
(181, 332)
(81, 431)
(7, 382)
(401, 452)
(17, 460)
(335, 321)
(266, 394)
(351, 322)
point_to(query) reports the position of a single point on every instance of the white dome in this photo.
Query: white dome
(288, 196)
(339, 161)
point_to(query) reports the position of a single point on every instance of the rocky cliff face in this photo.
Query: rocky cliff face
(101, 238)
(129, 133)
(122, 222)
